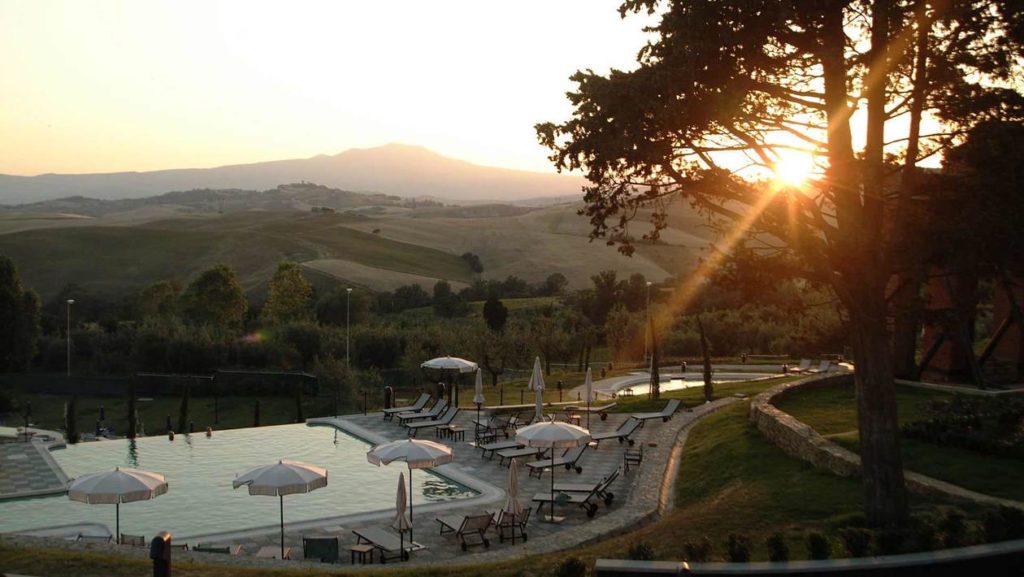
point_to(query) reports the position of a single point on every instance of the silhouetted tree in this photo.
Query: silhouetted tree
(290, 295)
(19, 319)
(495, 314)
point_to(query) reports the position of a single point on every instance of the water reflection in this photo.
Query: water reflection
(133, 454)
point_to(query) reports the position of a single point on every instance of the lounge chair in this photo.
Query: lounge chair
(512, 524)
(665, 414)
(584, 500)
(603, 492)
(803, 367)
(823, 367)
(497, 446)
(416, 407)
(384, 541)
(568, 459)
(323, 548)
(602, 410)
(633, 457)
(623, 433)
(222, 549)
(436, 411)
(469, 526)
(506, 456)
(133, 540)
(444, 421)
(94, 538)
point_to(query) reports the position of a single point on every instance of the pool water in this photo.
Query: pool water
(696, 379)
(199, 473)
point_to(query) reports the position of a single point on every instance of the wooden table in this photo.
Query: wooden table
(362, 551)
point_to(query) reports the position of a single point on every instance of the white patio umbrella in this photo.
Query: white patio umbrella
(282, 478)
(454, 364)
(512, 506)
(537, 385)
(588, 385)
(402, 523)
(552, 435)
(478, 399)
(117, 486)
(417, 454)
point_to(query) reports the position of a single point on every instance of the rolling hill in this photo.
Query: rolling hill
(394, 169)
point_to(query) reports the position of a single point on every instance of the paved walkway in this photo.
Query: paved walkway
(28, 470)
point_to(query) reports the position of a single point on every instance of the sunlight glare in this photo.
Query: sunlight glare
(794, 169)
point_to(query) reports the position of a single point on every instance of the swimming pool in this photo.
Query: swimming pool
(696, 379)
(199, 471)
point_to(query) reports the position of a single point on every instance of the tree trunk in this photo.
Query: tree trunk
(907, 308)
(709, 389)
(655, 392)
(885, 498)
(183, 409)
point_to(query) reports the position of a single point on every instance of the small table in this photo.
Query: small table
(574, 418)
(627, 392)
(273, 552)
(361, 551)
(456, 433)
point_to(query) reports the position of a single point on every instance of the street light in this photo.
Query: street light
(647, 312)
(70, 302)
(348, 300)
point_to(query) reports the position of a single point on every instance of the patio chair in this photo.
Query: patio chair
(569, 459)
(133, 540)
(602, 411)
(416, 407)
(665, 414)
(622, 433)
(803, 367)
(603, 491)
(633, 457)
(387, 542)
(506, 456)
(323, 548)
(497, 446)
(474, 526)
(512, 524)
(583, 500)
(434, 412)
(444, 421)
(222, 549)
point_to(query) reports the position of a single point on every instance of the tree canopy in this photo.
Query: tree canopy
(215, 298)
(290, 297)
(19, 315)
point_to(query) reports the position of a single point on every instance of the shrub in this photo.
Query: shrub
(778, 550)
(1002, 524)
(954, 529)
(698, 552)
(571, 567)
(926, 535)
(739, 548)
(818, 546)
(641, 551)
(889, 541)
(857, 541)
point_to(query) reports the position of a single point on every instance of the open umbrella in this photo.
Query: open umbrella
(282, 478)
(117, 486)
(588, 384)
(552, 435)
(478, 400)
(402, 522)
(450, 364)
(537, 385)
(416, 453)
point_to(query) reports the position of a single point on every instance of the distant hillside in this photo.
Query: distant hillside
(394, 169)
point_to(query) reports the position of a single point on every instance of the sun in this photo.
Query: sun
(793, 169)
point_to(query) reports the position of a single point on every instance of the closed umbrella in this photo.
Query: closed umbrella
(512, 506)
(450, 364)
(552, 435)
(537, 385)
(282, 478)
(478, 400)
(588, 384)
(417, 454)
(402, 522)
(117, 486)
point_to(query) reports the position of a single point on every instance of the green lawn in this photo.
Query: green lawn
(832, 411)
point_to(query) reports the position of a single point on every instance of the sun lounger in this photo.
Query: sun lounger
(803, 367)
(623, 433)
(512, 524)
(94, 538)
(497, 446)
(583, 500)
(474, 526)
(823, 367)
(222, 549)
(436, 411)
(324, 549)
(603, 493)
(384, 541)
(416, 407)
(446, 420)
(133, 540)
(506, 456)
(665, 414)
(568, 459)
(602, 410)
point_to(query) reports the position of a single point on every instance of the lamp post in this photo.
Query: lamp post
(70, 302)
(647, 329)
(348, 300)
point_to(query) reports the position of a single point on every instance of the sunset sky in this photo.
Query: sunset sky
(114, 85)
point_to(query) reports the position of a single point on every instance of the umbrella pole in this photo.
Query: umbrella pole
(410, 508)
(553, 467)
(588, 411)
(117, 523)
(281, 497)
